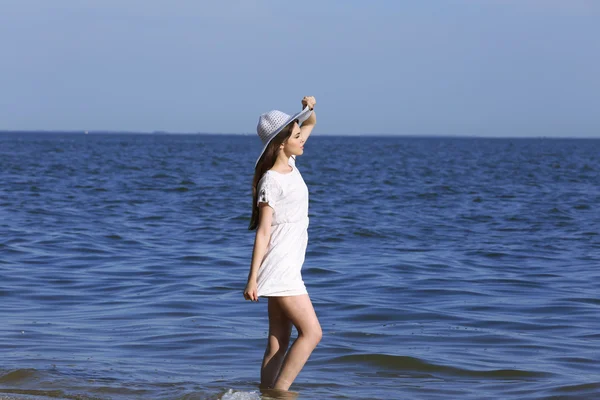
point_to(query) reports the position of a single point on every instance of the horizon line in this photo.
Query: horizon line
(158, 132)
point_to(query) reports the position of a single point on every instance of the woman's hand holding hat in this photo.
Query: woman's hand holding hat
(309, 101)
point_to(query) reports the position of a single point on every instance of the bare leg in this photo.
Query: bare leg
(300, 311)
(280, 328)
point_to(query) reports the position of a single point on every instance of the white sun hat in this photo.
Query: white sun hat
(272, 122)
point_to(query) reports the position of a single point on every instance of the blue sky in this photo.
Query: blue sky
(445, 67)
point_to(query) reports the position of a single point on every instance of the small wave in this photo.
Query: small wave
(417, 365)
(488, 254)
(316, 271)
(152, 218)
(87, 250)
(477, 218)
(582, 207)
(18, 376)
(592, 336)
(369, 233)
(590, 388)
(428, 196)
(43, 395)
(587, 167)
(196, 258)
(332, 239)
(511, 282)
(589, 233)
(585, 300)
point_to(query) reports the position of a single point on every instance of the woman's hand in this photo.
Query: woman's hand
(251, 291)
(309, 101)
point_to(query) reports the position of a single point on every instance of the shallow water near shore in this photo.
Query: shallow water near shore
(439, 267)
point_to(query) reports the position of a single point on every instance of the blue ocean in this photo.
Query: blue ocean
(439, 267)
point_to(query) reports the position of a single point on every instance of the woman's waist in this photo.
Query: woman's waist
(299, 221)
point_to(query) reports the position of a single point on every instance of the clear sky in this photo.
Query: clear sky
(439, 67)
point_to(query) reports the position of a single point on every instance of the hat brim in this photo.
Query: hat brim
(301, 117)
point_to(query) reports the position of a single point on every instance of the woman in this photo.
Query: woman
(280, 217)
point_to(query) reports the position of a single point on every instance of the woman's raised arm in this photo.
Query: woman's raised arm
(309, 124)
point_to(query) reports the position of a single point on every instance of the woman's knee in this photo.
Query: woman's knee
(314, 334)
(318, 334)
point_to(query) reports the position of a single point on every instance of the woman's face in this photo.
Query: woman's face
(295, 143)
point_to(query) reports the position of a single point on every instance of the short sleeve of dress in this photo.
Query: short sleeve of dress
(268, 190)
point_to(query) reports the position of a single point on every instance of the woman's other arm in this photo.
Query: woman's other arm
(261, 242)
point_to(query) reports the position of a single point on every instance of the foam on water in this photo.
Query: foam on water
(231, 395)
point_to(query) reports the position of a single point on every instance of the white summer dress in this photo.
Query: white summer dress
(280, 271)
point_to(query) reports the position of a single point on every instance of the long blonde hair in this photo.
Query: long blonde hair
(265, 163)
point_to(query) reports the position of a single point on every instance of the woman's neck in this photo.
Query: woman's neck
(282, 164)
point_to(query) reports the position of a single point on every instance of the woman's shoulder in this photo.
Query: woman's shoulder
(270, 177)
(269, 186)
(269, 174)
